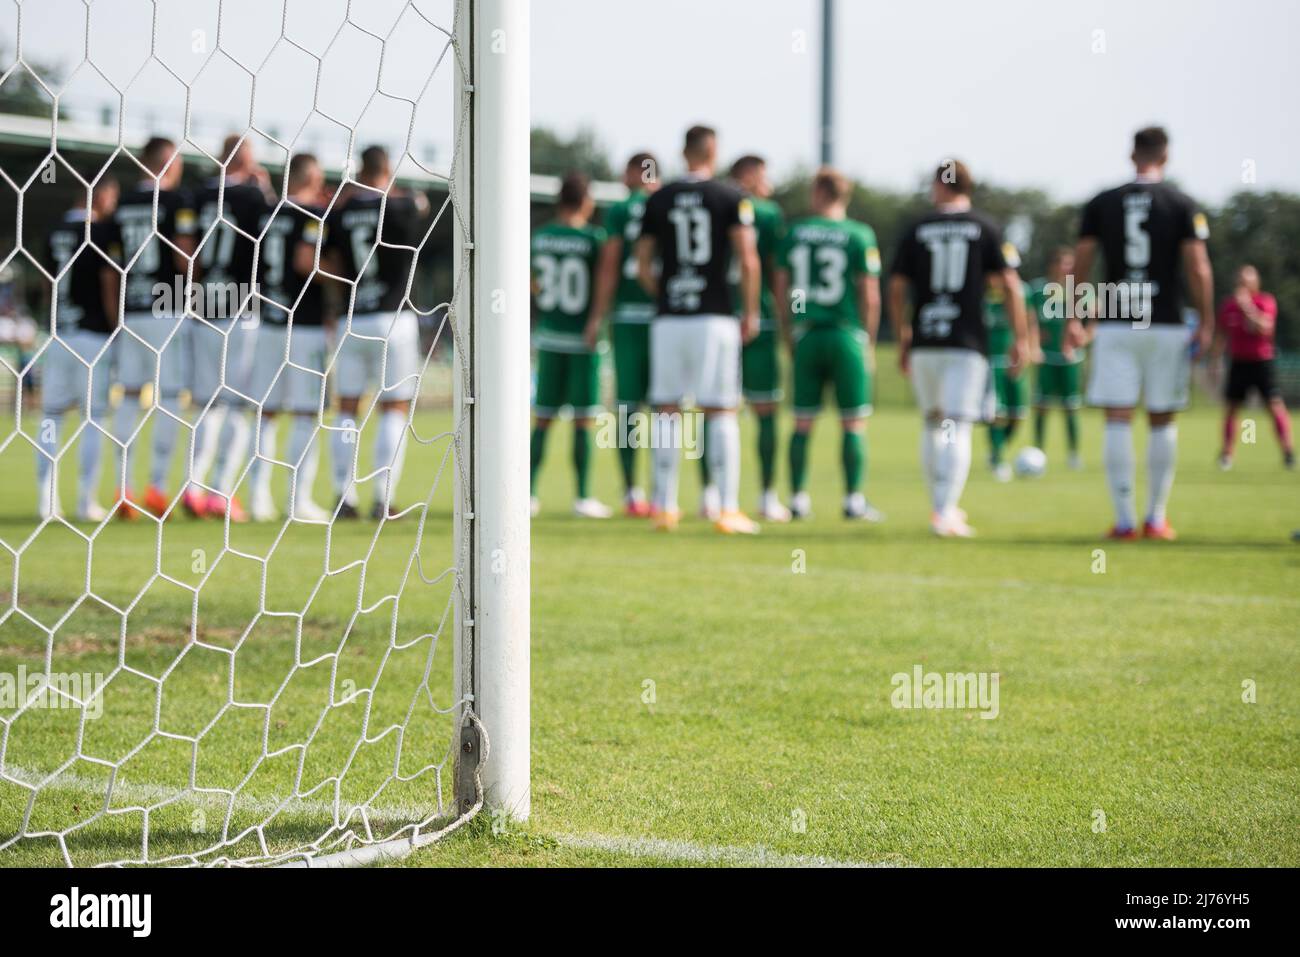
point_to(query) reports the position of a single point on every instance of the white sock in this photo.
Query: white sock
(47, 446)
(932, 462)
(233, 450)
(667, 459)
(1162, 459)
(304, 456)
(88, 466)
(1117, 454)
(723, 447)
(343, 444)
(390, 451)
(208, 438)
(261, 470)
(166, 423)
(954, 456)
(125, 417)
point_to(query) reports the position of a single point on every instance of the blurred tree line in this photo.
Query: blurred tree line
(1256, 227)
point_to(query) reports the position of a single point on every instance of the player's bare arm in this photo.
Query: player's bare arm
(1076, 335)
(898, 291)
(1200, 280)
(645, 266)
(745, 248)
(110, 290)
(869, 308)
(1019, 352)
(607, 268)
(781, 293)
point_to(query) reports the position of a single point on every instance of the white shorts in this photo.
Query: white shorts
(379, 351)
(695, 357)
(221, 351)
(67, 381)
(1152, 364)
(167, 354)
(289, 368)
(952, 383)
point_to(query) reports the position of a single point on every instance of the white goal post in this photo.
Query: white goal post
(314, 687)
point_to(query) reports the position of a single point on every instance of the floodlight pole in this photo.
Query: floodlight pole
(828, 83)
(498, 512)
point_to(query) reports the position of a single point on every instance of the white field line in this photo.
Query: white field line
(647, 848)
(691, 853)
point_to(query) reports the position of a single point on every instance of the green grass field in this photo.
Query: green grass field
(700, 699)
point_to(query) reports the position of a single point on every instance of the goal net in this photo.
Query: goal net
(264, 537)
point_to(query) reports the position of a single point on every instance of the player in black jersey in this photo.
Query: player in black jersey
(371, 234)
(154, 252)
(76, 364)
(289, 365)
(231, 207)
(944, 263)
(1148, 234)
(695, 226)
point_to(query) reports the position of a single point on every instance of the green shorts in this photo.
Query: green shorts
(631, 342)
(567, 378)
(1059, 385)
(1010, 395)
(760, 368)
(834, 355)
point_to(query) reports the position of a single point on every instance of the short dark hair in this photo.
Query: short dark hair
(156, 152)
(300, 165)
(637, 161)
(573, 190)
(747, 164)
(374, 160)
(955, 175)
(833, 183)
(697, 136)
(1151, 144)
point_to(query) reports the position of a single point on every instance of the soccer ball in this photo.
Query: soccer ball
(1031, 463)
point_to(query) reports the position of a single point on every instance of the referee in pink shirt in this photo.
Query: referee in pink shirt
(1247, 324)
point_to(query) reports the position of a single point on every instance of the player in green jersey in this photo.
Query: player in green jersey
(564, 254)
(1059, 377)
(760, 365)
(1010, 386)
(827, 284)
(630, 308)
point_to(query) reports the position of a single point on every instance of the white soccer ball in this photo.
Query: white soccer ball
(1031, 463)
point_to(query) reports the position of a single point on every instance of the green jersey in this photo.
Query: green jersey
(998, 321)
(1051, 328)
(769, 227)
(631, 302)
(564, 263)
(825, 259)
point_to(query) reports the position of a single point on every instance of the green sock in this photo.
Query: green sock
(997, 439)
(582, 459)
(767, 449)
(627, 454)
(798, 460)
(1040, 427)
(705, 478)
(538, 447)
(853, 455)
(1072, 429)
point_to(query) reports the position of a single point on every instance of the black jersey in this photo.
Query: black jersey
(131, 231)
(1141, 227)
(354, 228)
(946, 257)
(278, 281)
(79, 303)
(229, 238)
(691, 222)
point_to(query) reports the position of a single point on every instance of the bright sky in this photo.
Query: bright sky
(1029, 92)
(1014, 87)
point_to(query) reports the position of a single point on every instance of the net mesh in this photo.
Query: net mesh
(199, 689)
